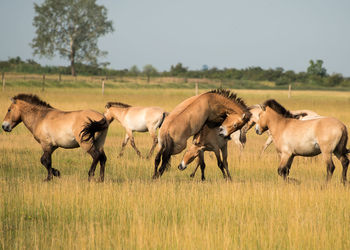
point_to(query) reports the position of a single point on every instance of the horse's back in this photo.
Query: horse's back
(62, 128)
(142, 119)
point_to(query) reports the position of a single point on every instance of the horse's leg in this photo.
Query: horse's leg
(132, 142)
(155, 141)
(327, 158)
(95, 154)
(202, 164)
(285, 164)
(345, 163)
(219, 162)
(195, 170)
(47, 162)
(224, 160)
(165, 162)
(156, 162)
(103, 159)
(125, 142)
(267, 143)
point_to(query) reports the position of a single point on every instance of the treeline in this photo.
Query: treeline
(315, 74)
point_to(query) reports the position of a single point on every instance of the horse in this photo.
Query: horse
(292, 137)
(53, 129)
(216, 108)
(208, 139)
(140, 119)
(296, 114)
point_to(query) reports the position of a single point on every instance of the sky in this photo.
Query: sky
(221, 33)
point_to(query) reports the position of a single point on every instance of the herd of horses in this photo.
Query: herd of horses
(212, 118)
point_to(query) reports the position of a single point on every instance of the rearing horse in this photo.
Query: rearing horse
(215, 108)
(54, 128)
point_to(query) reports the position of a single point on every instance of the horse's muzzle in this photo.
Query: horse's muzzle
(257, 129)
(182, 166)
(222, 131)
(6, 127)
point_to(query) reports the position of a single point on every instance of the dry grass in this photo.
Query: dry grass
(256, 210)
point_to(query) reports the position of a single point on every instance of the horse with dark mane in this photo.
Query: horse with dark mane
(54, 128)
(295, 114)
(135, 118)
(292, 137)
(215, 108)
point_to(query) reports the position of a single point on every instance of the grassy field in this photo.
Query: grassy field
(257, 210)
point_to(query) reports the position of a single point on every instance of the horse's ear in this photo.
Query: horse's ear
(243, 115)
(13, 100)
(263, 107)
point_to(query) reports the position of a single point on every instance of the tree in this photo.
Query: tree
(178, 70)
(70, 28)
(316, 68)
(134, 70)
(149, 71)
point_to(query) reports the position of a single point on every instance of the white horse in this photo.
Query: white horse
(139, 119)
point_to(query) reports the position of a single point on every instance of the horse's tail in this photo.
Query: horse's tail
(92, 127)
(165, 114)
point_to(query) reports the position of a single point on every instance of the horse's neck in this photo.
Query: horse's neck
(30, 116)
(119, 113)
(274, 122)
(221, 104)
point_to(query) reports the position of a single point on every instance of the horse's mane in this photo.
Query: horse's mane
(230, 95)
(117, 104)
(32, 99)
(273, 104)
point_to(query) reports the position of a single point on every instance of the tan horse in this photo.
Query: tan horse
(294, 137)
(207, 140)
(296, 114)
(214, 108)
(139, 119)
(54, 128)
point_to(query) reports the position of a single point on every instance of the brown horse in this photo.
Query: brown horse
(139, 119)
(294, 137)
(256, 109)
(208, 139)
(214, 108)
(54, 128)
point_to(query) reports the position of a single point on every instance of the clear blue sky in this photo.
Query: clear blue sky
(220, 33)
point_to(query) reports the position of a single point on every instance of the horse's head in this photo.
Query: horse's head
(191, 154)
(233, 122)
(261, 124)
(13, 116)
(108, 114)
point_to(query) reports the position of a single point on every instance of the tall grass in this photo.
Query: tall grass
(129, 210)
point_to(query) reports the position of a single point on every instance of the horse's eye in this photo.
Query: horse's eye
(8, 110)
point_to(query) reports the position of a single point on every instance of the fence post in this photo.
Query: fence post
(289, 90)
(196, 88)
(59, 77)
(3, 80)
(103, 86)
(43, 83)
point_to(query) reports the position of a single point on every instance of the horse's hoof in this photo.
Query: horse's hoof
(191, 175)
(91, 178)
(48, 179)
(56, 173)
